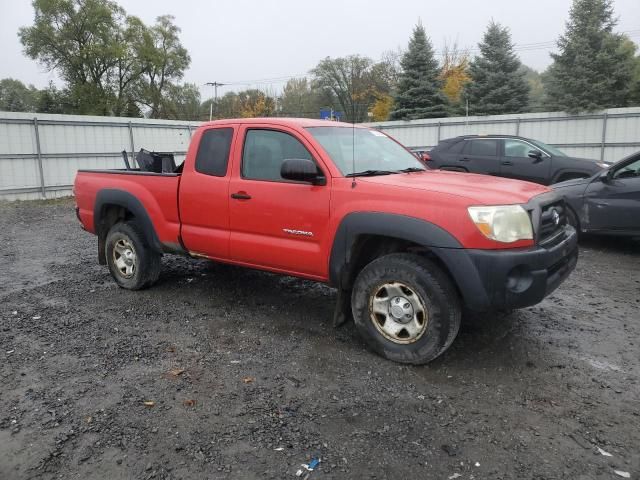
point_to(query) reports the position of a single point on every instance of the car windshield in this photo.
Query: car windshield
(375, 153)
(549, 149)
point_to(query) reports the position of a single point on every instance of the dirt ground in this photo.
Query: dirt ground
(248, 379)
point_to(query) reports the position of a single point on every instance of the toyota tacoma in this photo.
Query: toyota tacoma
(406, 248)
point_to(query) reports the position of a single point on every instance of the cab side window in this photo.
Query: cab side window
(213, 151)
(265, 150)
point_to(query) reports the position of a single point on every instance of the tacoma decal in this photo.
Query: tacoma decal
(297, 232)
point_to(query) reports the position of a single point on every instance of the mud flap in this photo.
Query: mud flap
(342, 312)
(102, 259)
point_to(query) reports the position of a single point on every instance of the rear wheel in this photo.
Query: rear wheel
(406, 308)
(132, 263)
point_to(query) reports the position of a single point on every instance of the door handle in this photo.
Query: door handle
(464, 159)
(507, 162)
(241, 196)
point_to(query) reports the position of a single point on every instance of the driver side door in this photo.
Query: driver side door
(614, 205)
(275, 223)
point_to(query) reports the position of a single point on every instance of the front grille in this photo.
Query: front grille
(551, 230)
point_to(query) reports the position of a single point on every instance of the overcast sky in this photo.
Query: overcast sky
(245, 41)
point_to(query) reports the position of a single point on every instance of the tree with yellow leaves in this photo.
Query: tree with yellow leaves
(254, 103)
(455, 72)
(381, 107)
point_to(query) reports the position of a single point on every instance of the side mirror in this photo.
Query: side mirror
(302, 170)
(535, 154)
(605, 176)
(425, 157)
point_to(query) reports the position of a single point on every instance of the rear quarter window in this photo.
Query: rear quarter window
(213, 152)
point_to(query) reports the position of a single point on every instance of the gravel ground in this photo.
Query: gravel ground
(221, 372)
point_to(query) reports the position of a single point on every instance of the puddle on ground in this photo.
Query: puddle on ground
(602, 364)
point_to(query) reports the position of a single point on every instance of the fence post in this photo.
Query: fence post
(189, 128)
(604, 135)
(39, 156)
(518, 127)
(438, 140)
(133, 148)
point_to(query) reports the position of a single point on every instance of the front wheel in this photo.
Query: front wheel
(406, 308)
(132, 263)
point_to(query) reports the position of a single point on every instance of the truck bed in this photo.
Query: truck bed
(158, 192)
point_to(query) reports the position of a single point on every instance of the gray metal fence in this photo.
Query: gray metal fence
(608, 135)
(40, 154)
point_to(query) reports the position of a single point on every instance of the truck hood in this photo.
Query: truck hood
(480, 189)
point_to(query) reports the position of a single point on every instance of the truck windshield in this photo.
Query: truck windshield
(375, 153)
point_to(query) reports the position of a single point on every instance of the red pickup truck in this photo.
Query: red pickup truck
(407, 248)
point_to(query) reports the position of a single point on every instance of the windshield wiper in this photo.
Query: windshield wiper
(370, 173)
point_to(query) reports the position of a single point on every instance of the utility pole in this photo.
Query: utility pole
(467, 109)
(215, 86)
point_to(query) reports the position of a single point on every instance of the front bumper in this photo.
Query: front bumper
(506, 279)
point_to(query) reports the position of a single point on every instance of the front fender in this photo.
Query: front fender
(401, 227)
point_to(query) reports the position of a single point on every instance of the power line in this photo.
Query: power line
(215, 86)
(266, 80)
(523, 47)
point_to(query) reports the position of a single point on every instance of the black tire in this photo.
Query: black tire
(423, 281)
(145, 262)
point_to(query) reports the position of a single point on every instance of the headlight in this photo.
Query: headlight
(503, 223)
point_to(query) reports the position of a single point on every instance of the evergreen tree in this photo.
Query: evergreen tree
(634, 97)
(419, 92)
(497, 83)
(593, 69)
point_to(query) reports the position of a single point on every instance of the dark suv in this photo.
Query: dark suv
(511, 157)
